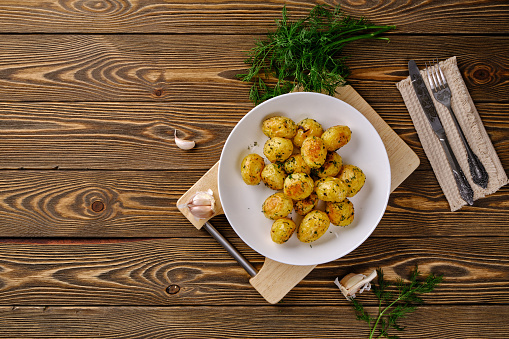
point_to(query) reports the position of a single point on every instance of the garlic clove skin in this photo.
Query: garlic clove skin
(202, 205)
(183, 144)
(355, 283)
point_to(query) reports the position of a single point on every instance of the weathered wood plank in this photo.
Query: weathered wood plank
(185, 16)
(141, 135)
(137, 272)
(337, 321)
(123, 204)
(204, 67)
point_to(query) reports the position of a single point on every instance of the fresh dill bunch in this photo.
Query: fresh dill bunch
(393, 306)
(305, 53)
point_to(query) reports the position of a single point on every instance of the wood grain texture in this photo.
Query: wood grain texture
(118, 135)
(137, 272)
(142, 204)
(184, 16)
(203, 67)
(242, 322)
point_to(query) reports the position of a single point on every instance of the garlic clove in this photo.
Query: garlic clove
(355, 283)
(183, 144)
(202, 205)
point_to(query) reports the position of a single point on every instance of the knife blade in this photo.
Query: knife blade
(430, 111)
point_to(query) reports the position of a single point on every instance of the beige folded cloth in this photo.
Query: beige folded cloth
(472, 127)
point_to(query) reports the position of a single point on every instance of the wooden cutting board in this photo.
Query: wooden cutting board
(275, 279)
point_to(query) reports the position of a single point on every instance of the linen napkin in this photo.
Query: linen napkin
(472, 127)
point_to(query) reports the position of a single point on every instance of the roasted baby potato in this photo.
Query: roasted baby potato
(353, 177)
(336, 137)
(313, 226)
(298, 186)
(251, 169)
(340, 213)
(331, 189)
(277, 206)
(273, 175)
(306, 128)
(282, 229)
(313, 152)
(279, 127)
(331, 167)
(304, 206)
(295, 164)
(278, 149)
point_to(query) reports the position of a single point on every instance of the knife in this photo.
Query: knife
(429, 109)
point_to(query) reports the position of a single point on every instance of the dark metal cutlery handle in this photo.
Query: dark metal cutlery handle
(477, 170)
(464, 187)
(230, 249)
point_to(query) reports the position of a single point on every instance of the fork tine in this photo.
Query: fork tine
(430, 80)
(442, 74)
(435, 76)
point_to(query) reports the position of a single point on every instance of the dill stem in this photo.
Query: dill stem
(380, 314)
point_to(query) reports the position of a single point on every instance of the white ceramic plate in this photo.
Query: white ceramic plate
(242, 204)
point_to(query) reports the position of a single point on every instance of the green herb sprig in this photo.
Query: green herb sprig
(306, 53)
(391, 308)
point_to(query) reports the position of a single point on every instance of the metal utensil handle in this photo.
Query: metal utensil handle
(477, 171)
(232, 250)
(464, 187)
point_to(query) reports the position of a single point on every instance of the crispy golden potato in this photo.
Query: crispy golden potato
(340, 213)
(295, 164)
(313, 226)
(304, 206)
(277, 206)
(313, 152)
(306, 128)
(336, 137)
(353, 177)
(273, 175)
(251, 169)
(282, 229)
(278, 149)
(298, 186)
(279, 127)
(331, 167)
(331, 189)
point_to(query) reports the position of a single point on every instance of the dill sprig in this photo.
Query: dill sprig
(306, 53)
(393, 306)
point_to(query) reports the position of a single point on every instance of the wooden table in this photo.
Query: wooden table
(91, 243)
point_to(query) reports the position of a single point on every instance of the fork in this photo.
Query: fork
(442, 94)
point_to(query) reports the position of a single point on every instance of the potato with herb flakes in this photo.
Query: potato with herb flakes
(313, 152)
(336, 137)
(278, 149)
(306, 128)
(353, 177)
(282, 127)
(273, 175)
(304, 206)
(331, 167)
(313, 226)
(282, 229)
(251, 169)
(296, 164)
(277, 206)
(331, 189)
(340, 213)
(298, 186)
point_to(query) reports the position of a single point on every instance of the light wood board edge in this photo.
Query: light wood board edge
(275, 279)
(208, 181)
